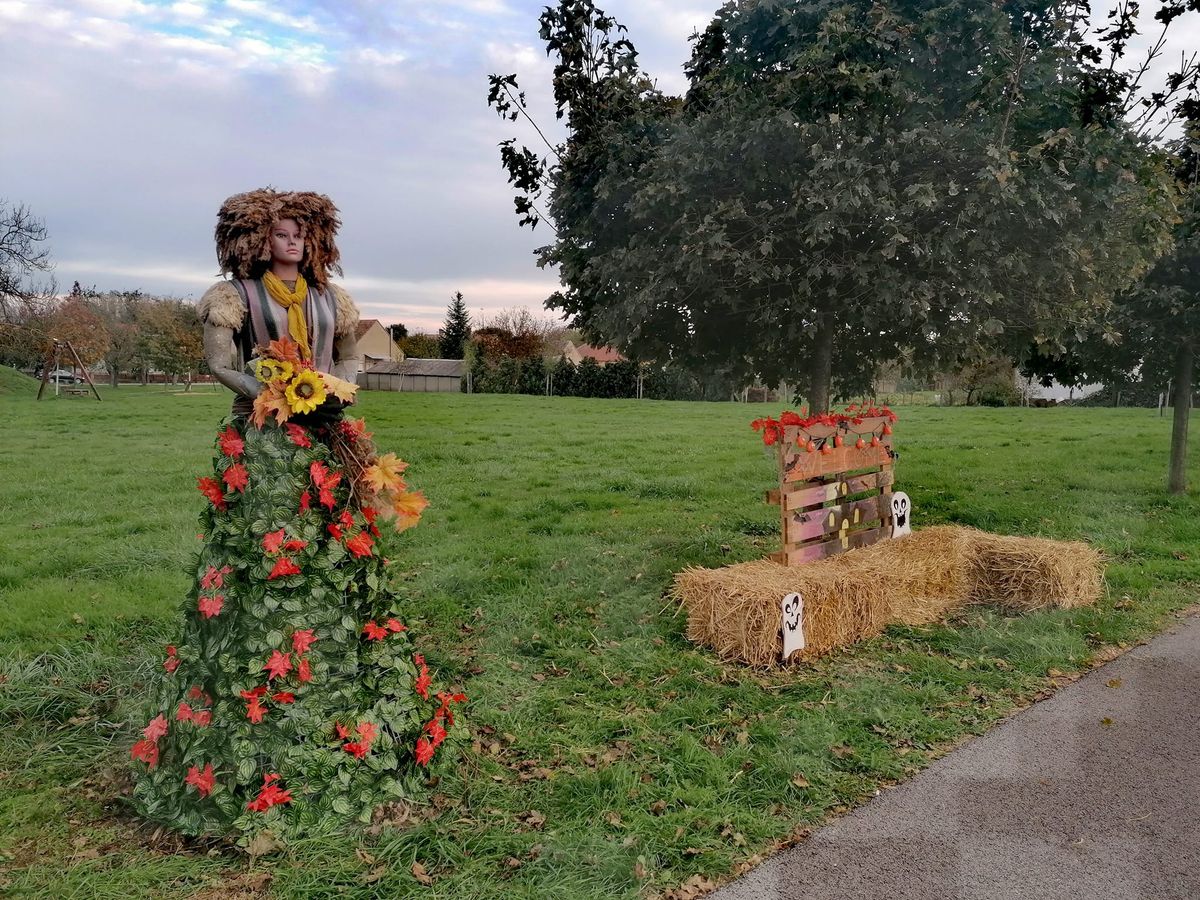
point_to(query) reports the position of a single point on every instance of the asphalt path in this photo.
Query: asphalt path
(1092, 794)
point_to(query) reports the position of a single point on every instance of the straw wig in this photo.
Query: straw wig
(244, 230)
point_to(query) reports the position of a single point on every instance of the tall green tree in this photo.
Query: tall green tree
(1152, 332)
(453, 337)
(842, 183)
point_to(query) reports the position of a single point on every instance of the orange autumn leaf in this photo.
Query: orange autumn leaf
(270, 402)
(384, 474)
(284, 349)
(407, 508)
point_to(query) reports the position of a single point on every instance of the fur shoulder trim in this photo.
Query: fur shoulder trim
(347, 312)
(222, 306)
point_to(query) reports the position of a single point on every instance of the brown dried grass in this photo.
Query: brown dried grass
(913, 580)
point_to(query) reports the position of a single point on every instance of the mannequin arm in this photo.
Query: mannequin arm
(219, 353)
(347, 360)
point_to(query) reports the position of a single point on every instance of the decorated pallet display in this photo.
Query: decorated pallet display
(835, 481)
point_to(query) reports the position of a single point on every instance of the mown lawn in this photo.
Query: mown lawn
(612, 757)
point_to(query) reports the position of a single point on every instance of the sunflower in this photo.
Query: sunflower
(268, 370)
(306, 392)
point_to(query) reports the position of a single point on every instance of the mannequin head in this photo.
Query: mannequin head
(287, 248)
(246, 241)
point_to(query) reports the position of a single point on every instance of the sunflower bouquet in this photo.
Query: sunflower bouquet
(291, 386)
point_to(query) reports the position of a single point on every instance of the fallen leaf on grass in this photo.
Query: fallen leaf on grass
(419, 873)
(640, 872)
(532, 818)
(694, 887)
(800, 781)
(841, 751)
(374, 875)
(263, 844)
(613, 819)
(658, 807)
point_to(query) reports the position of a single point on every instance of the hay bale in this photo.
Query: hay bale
(912, 580)
(1025, 574)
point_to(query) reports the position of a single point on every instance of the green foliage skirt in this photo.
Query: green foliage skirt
(293, 699)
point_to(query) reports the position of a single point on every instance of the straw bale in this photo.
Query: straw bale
(1025, 574)
(912, 580)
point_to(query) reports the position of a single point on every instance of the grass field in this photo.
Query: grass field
(612, 757)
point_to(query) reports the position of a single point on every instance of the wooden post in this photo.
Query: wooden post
(86, 374)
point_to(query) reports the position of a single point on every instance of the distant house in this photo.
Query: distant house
(376, 344)
(422, 375)
(602, 355)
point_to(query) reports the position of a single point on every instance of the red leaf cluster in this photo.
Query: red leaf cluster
(269, 795)
(231, 443)
(203, 782)
(211, 488)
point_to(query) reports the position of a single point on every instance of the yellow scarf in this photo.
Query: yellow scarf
(293, 302)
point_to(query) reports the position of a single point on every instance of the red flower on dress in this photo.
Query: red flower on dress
(368, 731)
(424, 751)
(272, 541)
(374, 632)
(283, 567)
(171, 663)
(201, 781)
(359, 749)
(196, 693)
(211, 488)
(346, 519)
(231, 442)
(360, 544)
(444, 710)
(297, 435)
(236, 478)
(184, 712)
(211, 606)
(294, 546)
(421, 685)
(370, 513)
(278, 665)
(284, 697)
(214, 577)
(156, 729)
(302, 640)
(335, 530)
(304, 671)
(146, 751)
(202, 718)
(255, 711)
(395, 626)
(305, 502)
(436, 732)
(341, 730)
(269, 795)
(260, 691)
(318, 472)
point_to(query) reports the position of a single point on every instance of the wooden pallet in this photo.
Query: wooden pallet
(831, 502)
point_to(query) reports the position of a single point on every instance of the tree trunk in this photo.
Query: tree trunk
(821, 367)
(1177, 479)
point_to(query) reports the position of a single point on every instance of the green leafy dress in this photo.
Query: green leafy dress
(293, 699)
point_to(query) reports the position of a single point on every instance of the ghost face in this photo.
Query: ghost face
(901, 514)
(791, 612)
(791, 608)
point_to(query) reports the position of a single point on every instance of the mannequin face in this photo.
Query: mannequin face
(287, 242)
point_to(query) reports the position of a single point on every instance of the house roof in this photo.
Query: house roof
(446, 368)
(599, 354)
(364, 325)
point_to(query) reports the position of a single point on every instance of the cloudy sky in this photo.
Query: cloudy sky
(127, 122)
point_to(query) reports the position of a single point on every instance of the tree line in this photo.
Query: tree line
(131, 333)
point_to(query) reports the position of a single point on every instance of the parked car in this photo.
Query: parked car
(64, 376)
